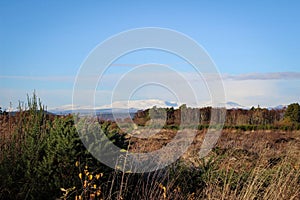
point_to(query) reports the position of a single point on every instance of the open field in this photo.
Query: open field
(42, 157)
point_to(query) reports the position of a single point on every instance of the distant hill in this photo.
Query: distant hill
(124, 109)
(232, 105)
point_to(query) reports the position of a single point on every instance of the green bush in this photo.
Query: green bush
(40, 156)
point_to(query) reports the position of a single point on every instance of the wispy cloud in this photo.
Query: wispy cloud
(246, 89)
(40, 78)
(225, 76)
(264, 76)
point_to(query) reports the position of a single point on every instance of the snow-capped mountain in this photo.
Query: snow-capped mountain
(234, 105)
(117, 106)
(132, 106)
(279, 107)
(139, 104)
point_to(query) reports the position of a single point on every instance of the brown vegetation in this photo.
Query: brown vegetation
(256, 157)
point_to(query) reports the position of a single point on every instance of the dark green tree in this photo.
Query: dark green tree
(293, 113)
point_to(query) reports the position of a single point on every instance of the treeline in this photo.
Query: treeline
(287, 118)
(42, 157)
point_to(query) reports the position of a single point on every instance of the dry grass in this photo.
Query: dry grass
(259, 164)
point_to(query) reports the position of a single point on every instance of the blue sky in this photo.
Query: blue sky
(254, 44)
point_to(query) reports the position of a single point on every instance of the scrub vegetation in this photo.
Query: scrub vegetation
(256, 157)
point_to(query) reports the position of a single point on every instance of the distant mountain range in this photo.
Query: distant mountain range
(116, 107)
(232, 105)
(117, 110)
(277, 107)
(133, 106)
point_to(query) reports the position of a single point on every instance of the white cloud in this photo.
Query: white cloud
(41, 78)
(265, 89)
(250, 92)
(264, 76)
